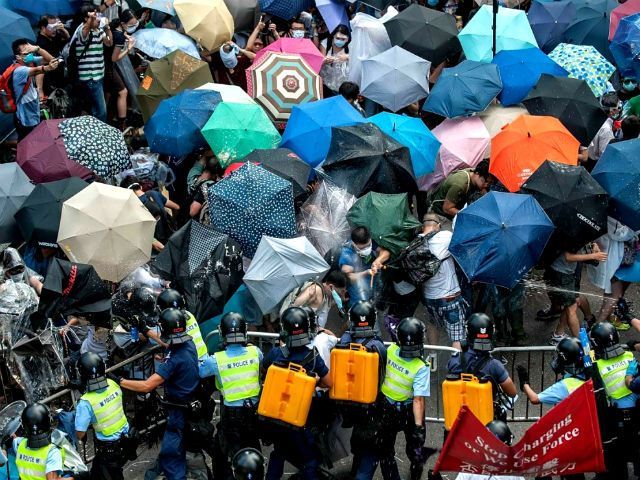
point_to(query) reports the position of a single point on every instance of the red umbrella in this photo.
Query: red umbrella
(301, 46)
(233, 167)
(625, 9)
(43, 156)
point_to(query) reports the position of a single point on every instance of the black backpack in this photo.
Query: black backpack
(417, 261)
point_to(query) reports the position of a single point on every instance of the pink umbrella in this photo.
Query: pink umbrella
(302, 46)
(623, 10)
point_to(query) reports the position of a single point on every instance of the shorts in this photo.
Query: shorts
(562, 291)
(450, 314)
(113, 81)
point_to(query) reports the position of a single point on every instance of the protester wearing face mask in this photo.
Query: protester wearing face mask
(124, 78)
(610, 104)
(52, 37)
(335, 69)
(236, 60)
(297, 28)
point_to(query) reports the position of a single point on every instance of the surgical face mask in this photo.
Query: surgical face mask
(132, 28)
(336, 299)
(629, 86)
(339, 43)
(365, 252)
(297, 33)
(30, 58)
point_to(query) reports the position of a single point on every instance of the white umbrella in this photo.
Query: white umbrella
(495, 117)
(229, 93)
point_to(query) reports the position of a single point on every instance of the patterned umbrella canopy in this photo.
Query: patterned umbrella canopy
(285, 8)
(280, 81)
(301, 46)
(584, 62)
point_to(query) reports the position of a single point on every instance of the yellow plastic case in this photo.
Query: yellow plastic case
(354, 374)
(469, 391)
(286, 394)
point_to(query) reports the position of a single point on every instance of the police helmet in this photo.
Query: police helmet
(568, 356)
(233, 328)
(295, 327)
(92, 371)
(170, 298)
(501, 430)
(37, 425)
(313, 319)
(606, 340)
(173, 326)
(480, 332)
(362, 319)
(411, 338)
(248, 464)
(142, 302)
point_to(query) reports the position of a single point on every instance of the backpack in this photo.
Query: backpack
(8, 100)
(418, 262)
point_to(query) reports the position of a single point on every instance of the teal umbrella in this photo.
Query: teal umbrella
(513, 33)
(584, 62)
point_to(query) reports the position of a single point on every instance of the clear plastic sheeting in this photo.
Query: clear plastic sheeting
(17, 302)
(368, 38)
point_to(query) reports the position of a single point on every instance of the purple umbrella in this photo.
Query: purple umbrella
(333, 12)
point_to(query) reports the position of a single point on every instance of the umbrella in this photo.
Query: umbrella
(549, 20)
(523, 145)
(50, 7)
(279, 266)
(308, 131)
(573, 200)
(279, 81)
(323, 217)
(625, 46)
(362, 159)
(160, 42)
(15, 187)
(165, 6)
(625, 9)
(412, 133)
(298, 46)
(286, 164)
(204, 265)
(250, 203)
(428, 33)
(114, 240)
(569, 100)
(39, 216)
(229, 93)
(629, 273)
(495, 117)
(236, 129)
(500, 237)
(208, 22)
(590, 25)
(169, 75)
(244, 13)
(43, 156)
(467, 88)
(520, 71)
(285, 8)
(388, 219)
(618, 171)
(12, 27)
(583, 62)
(513, 33)
(395, 78)
(368, 38)
(95, 145)
(175, 127)
(334, 13)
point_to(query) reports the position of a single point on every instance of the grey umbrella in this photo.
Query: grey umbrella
(15, 187)
(244, 13)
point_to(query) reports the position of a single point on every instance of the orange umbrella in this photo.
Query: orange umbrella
(524, 144)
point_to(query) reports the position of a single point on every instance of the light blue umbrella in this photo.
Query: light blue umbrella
(414, 134)
(165, 6)
(160, 42)
(513, 33)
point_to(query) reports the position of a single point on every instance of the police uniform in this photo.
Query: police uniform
(193, 329)
(560, 390)
(35, 463)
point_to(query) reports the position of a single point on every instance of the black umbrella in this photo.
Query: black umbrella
(15, 187)
(569, 100)
(39, 216)
(428, 33)
(362, 159)
(286, 164)
(573, 200)
(204, 265)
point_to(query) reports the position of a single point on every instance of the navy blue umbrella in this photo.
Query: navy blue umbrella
(464, 89)
(590, 25)
(285, 9)
(625, 46)
(500, 237)
(549, 20)
(12, 27)
(618, 171)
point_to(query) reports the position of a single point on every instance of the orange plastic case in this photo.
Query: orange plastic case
(354, 374)
(286, 394)
(469, 391)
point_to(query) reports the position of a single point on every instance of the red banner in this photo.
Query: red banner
(565, 441)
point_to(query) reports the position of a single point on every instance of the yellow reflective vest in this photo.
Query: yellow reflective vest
(613, 372)
(32, 462)
(239, 375)
(399, 375)
(107, 408)
(193, 329)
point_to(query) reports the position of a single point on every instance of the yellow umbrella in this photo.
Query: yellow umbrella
(107, 227)
(208, 22)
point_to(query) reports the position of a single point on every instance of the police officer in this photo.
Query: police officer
(171, 298)
(237, 373)
(295, 445)
(248, 464)
(179, 375)
(101, 407)
(612, 362)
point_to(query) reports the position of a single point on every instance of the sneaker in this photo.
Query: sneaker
(620, 326)
(547, 315)
(555, 339)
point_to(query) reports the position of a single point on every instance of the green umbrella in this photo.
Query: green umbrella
(237, 129)
(388, 218)
(169, 75)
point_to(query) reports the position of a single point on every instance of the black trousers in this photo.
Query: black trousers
(237, 429)
(108, 463)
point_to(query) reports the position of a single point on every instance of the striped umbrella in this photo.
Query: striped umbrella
(280, 81)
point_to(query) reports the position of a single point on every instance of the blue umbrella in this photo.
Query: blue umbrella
(625, 46)
(160, 42)
(464, 89)
(308, 131)
(618, 171)
(520, 70)
(175, 127)
(414, 134)
(285, 9)
(500, 237)
(51, 7)
(252, 202)
(590, 25)
(165, 6)
(629, 273)
(549, 20)
(12, 27)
